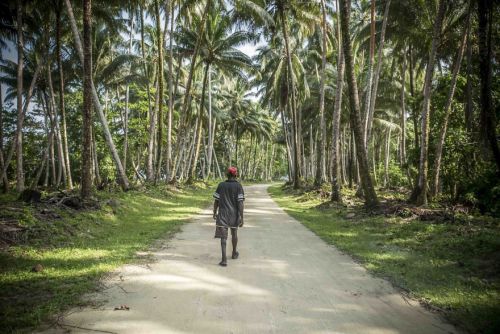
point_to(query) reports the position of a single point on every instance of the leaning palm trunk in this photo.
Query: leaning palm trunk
(187, 93)
(321, 170)
(373, 95)
(13, 148)
(369, 75)
(123, 180)
(366, 181)
(419, 194)
(447, 111)
(337, 111)
(192, 170)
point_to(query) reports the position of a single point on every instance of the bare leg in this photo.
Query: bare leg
(234, 240)
(223, 249)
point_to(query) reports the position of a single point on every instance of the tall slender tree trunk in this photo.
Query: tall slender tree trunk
(387, 158)
(337, 112)
(55, 121)
(122, 177)
(447, 111)
(402, 147)
(412, 93)
(27, 100)
(159, 41)
(20, 115)
(295, 121)
(192, 172)
(369, 75)
(151, 115)
(5, 181)
(86, 181)
(127, 96)
(488, 119)
(210, 132)
(170, 93)
(187, 93)
(62, 107)
(321, 170)
(419, 194)
(373, 95)
(469, 107)
(356, 124)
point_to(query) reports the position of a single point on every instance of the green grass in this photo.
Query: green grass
(79, 249)
(452, 266)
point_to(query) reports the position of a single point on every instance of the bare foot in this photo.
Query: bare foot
(223, 263)
(235, 255)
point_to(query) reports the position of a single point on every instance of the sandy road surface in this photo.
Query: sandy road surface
(287, 280)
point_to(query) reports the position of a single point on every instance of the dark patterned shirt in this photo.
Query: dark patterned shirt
(229, 193)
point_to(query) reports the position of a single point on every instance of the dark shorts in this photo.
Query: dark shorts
(221, 232)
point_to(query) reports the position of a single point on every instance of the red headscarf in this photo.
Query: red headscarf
(232, 171)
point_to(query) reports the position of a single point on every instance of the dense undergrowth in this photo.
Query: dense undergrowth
(449, 264)
(63, 253)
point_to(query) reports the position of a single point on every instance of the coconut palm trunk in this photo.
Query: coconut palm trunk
(122, 177)
(487, 119)
(293, 105)
(373, 95)
(369, 75)
(187, 93)
(355, 119)
(168, 162)
(419, 194)
(337, 111)
(192, 170)
(447, 111)
(61, 174)
(10, 154)
(127, 96)
(62, 107)
(20, 114)
(159, 95)
(321, 170)
(86, 178)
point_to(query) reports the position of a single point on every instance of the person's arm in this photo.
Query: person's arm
(216, 201)
(241, 207)
(216, 206)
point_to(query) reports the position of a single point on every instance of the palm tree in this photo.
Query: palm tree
(366, 181)
(419, 194)
(447, 111)
(122, 177)
(218, 49)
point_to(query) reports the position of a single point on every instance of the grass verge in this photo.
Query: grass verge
(451, 266)
(81, 247)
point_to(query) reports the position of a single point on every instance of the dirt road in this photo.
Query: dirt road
(286, 280)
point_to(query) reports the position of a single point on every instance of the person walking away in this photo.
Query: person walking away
(228, 212)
